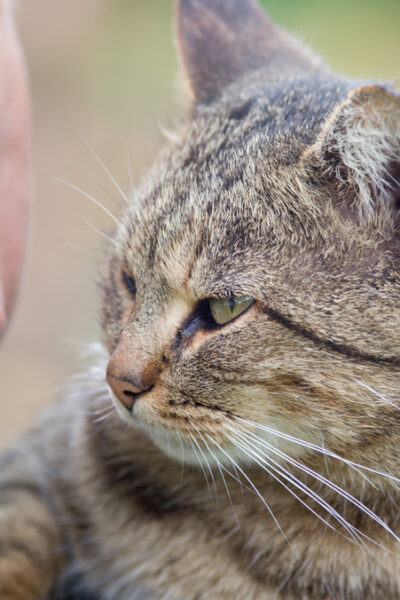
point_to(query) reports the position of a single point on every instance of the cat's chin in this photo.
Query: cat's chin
(187, 448)
(188, 452)
(177, 447)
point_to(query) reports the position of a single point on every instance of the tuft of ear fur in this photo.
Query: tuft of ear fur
(222, 40)
(362, 140)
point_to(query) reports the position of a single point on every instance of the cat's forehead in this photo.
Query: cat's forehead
(280, 117)
(223, 197)
(185, 230)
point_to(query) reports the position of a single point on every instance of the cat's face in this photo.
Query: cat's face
(250, 291)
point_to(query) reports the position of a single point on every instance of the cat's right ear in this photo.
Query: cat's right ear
(221, 40)
(359, 147)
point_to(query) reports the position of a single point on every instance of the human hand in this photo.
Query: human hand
(14, 161)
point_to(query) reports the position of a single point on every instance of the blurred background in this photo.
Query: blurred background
(107, 69)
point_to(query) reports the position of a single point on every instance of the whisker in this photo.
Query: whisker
(325, 458)
(312, 446)
(252, 486)
(261, 460)
(102, 164)
(353, 531)
(100, 232)
(182, 452)
(309, 445)
(170, 136)
(236, 478)
(105, 417)
(221, 473)
(90, 197)
(342, 492)
(200, 464)
(100, 411)
(168, 443)
(98, 185)
(226, 487)
(391, 402)
(205, 458)
(128, 160)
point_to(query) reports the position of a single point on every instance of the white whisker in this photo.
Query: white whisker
(100, 232)
(100, 411)
(311, 446)
(182, 453)
(200, 464)
(90, 197)
(327, 482)
(205, 459)
(221, 473)
(339, 490)
(105, 417)
(222, 466)
(391, 402)
(102, 164)
(262, 460)
(252, 486)
(128, 160)
(98, 185)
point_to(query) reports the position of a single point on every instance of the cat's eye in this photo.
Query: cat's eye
(228, 308)
(129, 283)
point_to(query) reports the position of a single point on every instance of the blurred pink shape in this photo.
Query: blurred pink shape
(14, 161)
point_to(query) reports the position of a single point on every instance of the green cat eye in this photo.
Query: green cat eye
(228, 308)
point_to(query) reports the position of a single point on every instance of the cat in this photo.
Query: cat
(246, 445)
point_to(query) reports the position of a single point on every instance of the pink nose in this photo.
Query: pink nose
(125, 390)
(132, 371)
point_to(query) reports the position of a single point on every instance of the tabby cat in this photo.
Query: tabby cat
(247, 444)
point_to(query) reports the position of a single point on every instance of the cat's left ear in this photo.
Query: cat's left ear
(360, 146)
(220, 41)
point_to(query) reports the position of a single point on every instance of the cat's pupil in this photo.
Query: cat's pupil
(232, 303)
(129, 283)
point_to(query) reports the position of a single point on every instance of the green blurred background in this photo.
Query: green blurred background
(108, 69)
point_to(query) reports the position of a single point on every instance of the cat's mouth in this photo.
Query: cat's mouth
(157, 409)
(194, 434)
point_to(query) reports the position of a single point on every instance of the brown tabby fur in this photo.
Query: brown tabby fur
(283, 185)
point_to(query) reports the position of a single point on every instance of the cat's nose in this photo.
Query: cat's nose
(132, 371)
(126, 389)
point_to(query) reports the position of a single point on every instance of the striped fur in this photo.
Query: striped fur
(262, 464)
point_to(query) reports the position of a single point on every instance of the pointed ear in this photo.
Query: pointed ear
(221, 40)
(361, 144)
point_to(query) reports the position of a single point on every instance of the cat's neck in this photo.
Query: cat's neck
(271, 531)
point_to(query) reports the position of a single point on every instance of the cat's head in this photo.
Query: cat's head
(253, 293)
